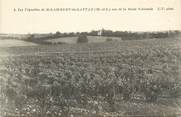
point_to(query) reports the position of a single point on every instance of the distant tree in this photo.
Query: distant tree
(93, 33)
(57, 34)
(77, 33)
(65, 34)
(31, 36)
(107, 33)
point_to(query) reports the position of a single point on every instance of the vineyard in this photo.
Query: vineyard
(111, 79)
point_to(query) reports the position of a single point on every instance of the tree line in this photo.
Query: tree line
(125, 35)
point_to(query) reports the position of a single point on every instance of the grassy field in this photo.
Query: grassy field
(91, 39)
(68, 40)
(126, 78)
(14, 43)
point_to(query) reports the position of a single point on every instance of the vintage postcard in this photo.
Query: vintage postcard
(90, 58)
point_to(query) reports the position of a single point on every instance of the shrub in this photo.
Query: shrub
(82, 38)
(109, 39)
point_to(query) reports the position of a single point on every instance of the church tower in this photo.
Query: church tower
(100, 32)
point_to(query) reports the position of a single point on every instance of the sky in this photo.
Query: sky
(46, 22)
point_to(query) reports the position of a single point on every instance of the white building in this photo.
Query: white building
(100, 32)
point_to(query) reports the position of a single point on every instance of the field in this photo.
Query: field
(13, 43)
(127, 78)
(91, 39)
(69, 40)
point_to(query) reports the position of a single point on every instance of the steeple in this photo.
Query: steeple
(100, 32)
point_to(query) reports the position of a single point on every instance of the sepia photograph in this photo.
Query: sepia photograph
(90, 58)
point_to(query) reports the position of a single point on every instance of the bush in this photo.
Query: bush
(109, 39)
(82, 39)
